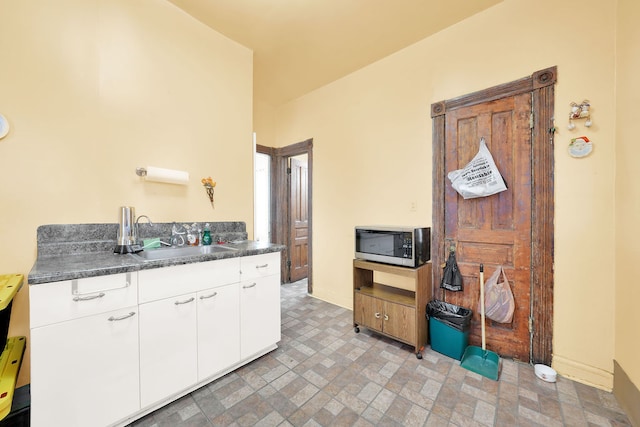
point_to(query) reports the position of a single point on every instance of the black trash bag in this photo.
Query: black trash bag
(451, 276)
(452, 315)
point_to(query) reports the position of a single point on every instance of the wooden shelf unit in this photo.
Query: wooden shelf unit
(396, 310)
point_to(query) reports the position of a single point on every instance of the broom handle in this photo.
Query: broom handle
(484, 344)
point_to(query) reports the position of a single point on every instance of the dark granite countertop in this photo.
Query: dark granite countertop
(55, 268)
(59, 259)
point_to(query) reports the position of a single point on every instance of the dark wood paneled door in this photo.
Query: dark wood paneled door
(513, 228)
(299, 223)
(493, 230)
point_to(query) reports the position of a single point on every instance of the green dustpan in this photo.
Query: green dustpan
(483, 362)
(480, 360)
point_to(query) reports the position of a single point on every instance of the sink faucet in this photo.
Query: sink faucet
(136, 225)
(177, 237)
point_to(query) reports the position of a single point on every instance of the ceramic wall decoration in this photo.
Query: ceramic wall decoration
(580, 147)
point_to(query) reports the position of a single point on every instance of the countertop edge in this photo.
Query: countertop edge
(69, 267)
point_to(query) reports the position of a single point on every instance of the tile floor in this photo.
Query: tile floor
(324, 374)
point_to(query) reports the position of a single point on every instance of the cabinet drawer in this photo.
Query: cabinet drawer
(255, 266)
(71, 299)
(159, 283)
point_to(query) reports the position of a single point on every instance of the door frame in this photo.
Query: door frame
(541, 86)
(281, 204)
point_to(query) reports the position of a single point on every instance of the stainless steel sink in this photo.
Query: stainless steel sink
(177, 252)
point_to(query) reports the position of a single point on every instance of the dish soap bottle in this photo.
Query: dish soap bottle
(206, 238)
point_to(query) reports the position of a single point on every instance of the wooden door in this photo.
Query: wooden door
(281, 201)
(466, 224)
(299, 223)
(494, 230)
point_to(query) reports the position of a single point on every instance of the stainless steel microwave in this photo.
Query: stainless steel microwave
(405, 246)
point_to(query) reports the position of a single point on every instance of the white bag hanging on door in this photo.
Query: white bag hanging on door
(480, 177)
(499, 303)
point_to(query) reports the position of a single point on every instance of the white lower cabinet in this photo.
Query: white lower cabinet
(259, 314)
(168, 346)
(84, 351)
(84, 372)
(218, 330)
(108, 349)
(259, 303)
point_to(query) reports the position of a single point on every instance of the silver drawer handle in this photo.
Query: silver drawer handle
(262, 266)
(89, 298)
(209, 296)
(185, 301)
(126, 316)
(249, 286)
(377, 315)
(386, 317)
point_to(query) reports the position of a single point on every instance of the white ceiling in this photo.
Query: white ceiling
(300, 45)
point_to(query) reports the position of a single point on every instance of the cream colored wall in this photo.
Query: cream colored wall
(372, 153)
(264, 119)
(627, 303)
(94, 89)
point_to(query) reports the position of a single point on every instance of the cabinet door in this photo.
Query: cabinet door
(368, 311)
(218, 329)
(259, 314)
(85, 372)
(168, 347)
(400, 321)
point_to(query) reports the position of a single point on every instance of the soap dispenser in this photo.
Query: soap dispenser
(206, 238)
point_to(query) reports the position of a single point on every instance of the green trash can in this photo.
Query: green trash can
(449, 327)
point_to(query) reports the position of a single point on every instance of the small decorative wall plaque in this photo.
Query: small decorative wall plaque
(580, 147)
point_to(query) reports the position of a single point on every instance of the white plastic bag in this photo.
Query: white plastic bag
(499, 303)
(479, 178)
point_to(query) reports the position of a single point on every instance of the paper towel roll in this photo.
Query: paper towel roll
(168, 176)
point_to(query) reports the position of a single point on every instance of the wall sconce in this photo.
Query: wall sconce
(579, 112)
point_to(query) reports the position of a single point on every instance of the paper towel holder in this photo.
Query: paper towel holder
(161, 175)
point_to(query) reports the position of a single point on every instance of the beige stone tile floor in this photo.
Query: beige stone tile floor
(325, 374)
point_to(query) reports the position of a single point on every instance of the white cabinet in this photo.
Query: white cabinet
(218, 329)
(188, 319)
(168, 346)
(84, 359)
(106, 350)
(259, 303)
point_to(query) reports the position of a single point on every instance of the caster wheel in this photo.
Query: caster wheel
(419, 355)
(356, 329)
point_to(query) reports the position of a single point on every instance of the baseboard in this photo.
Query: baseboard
(627, 394)
(582, 373)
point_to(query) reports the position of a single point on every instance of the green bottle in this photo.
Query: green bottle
(206, 238)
